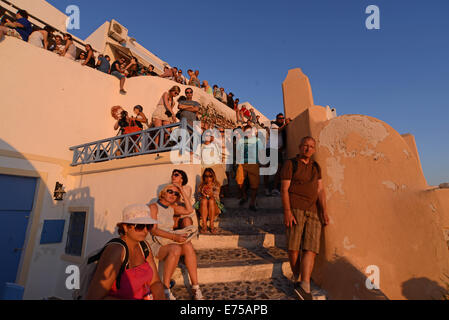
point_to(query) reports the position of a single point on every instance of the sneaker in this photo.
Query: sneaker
(197, 294)
(253, 208)
(275, 192)
(122, 91)
(169, 295)
(301, 293)
(243, 201)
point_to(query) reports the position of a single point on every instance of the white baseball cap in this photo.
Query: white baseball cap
(137, 214)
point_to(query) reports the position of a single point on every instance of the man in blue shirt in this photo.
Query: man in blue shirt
(103, 63)
(248, 148)
(20, 29)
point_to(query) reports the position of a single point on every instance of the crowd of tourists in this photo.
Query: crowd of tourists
(164, 229)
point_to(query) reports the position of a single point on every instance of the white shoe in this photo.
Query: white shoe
(275, 192)
(169, 295)
(197, 294)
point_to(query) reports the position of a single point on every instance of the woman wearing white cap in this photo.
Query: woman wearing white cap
(168, 245)
(139, 279)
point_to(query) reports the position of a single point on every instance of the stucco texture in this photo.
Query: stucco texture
(381, 214)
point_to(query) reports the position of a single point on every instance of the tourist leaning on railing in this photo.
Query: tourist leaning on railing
(90, 58)
(103, 63)
(40, 38)
(69, 50)
(20, 29)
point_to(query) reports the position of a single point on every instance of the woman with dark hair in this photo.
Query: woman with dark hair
(69, 50)
(209, 200)
(140, 117)
(90, 58)
(39, 38)
(179, 177)
(136, 279)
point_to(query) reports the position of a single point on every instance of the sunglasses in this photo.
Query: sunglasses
(189, 92)
(176, 174)
(208, 176)
(140, 227)
(176, 193)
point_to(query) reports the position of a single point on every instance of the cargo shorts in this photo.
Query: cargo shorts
(306, 233)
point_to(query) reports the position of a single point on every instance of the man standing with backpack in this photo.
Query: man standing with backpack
(304, 203)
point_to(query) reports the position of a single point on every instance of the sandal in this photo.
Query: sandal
(214, 230)
(204, 231)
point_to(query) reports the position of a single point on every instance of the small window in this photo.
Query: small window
(75, 236)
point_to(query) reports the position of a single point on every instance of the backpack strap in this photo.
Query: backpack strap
(96, 257)
(125, 261)
(294, 165)
(145, 249)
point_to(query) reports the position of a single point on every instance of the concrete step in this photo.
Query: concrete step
(262, 202)
(245, 217)
(246, 236)
(239, 264)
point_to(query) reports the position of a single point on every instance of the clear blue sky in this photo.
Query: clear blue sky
(398, 74)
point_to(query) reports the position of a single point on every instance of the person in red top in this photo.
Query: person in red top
(140, 280)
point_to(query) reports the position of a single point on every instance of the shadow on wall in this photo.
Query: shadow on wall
(341, 270)
(424, 288)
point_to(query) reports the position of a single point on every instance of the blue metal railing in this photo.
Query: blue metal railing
(133, 144)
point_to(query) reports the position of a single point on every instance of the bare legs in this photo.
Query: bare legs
(171, 254)
(302, 267)
(208, 209)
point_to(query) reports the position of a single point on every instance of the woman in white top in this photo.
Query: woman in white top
(168, 245)
(39, 38)
(69, 49)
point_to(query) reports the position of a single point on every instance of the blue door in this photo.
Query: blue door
(16, 203)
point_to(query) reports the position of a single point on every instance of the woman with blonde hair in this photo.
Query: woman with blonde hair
(164, 114)
(168, 245)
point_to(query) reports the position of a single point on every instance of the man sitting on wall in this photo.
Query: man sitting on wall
(20, 29)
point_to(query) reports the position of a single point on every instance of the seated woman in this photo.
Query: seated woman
(209, 200)
(166, 244)
(179, 177)
(140, 279)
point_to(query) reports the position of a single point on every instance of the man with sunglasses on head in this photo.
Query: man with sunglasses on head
(189, 107)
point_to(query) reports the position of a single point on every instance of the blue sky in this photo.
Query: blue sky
(398, 74)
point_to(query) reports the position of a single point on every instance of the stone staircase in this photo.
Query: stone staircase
(247, 259)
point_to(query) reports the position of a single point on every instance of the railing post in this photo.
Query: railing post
(184, 136)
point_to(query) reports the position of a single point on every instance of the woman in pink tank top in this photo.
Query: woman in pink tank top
(140, 279)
